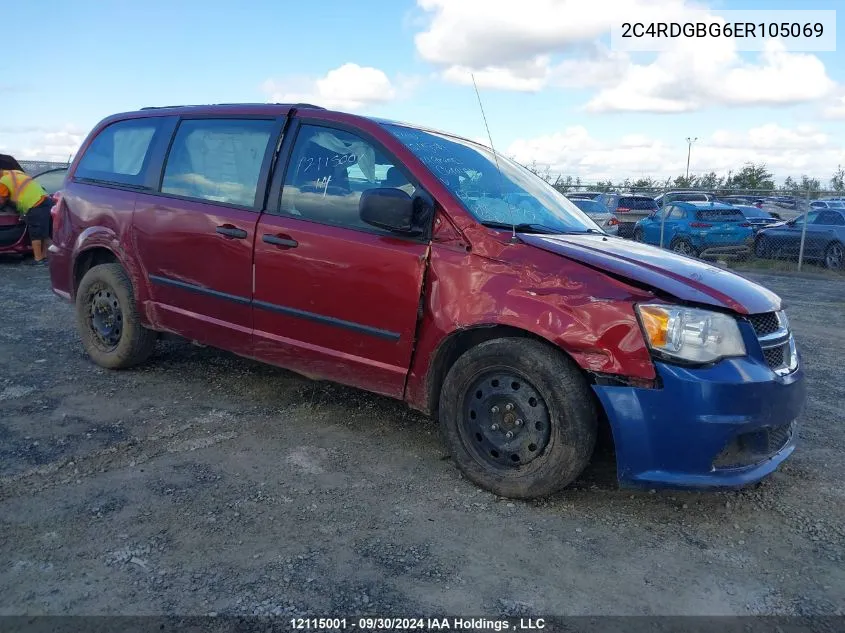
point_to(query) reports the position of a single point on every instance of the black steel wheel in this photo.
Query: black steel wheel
(108, 320)
(505, 421)
(105, 318)
(518, 417)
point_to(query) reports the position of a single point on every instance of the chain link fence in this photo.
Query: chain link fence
(35, 167)
(763, 230)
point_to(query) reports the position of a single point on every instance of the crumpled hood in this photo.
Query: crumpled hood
(682, 277)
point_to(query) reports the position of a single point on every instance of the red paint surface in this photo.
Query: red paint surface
(467, 277)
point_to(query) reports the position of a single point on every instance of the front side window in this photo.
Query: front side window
(328, 171)
(829, 218)
(217, 159)
(498, 197)
(119, 152)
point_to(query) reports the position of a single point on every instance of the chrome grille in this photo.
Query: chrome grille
(764, 324)
(772, 329)
(774, 356)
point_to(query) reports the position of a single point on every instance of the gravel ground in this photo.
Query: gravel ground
(203, 483)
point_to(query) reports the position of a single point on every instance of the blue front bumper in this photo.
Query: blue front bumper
(703, 427)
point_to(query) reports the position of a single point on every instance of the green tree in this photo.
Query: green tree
(753, 176)
(837, 183)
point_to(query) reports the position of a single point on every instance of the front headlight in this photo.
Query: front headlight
(690, 334)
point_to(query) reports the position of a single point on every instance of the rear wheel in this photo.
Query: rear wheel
(683, 247)
(834, 256)
(518, 417)
(108, 320)
(761, 248)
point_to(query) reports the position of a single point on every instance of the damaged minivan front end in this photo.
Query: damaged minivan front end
(729, 387)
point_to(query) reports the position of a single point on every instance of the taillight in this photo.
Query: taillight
(612, 222)
(622, 210)
(745, 225)
(700, 225)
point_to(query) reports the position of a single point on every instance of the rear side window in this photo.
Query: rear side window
(720, 215)
(217, 159)
(640, 204)
(830, 218)
(119, 153)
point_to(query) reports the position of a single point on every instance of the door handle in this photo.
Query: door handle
(232, 232)
(285, 241)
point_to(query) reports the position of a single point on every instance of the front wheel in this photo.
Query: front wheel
(518, 417)
(638, 235)
(108, 320)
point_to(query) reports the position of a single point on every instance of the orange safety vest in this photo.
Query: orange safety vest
(24, 192)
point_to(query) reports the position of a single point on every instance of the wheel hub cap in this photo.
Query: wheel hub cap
(106, 318)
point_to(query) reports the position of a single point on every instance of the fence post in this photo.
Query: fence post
(804, 229)
(662, 212)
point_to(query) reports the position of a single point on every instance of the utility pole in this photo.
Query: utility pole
(690, 141)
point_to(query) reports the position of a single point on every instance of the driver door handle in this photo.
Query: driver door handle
(231, 232)
(282, 241)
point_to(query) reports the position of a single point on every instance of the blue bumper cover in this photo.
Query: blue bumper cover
(671, 436)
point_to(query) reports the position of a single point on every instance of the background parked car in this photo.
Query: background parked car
(698, 229)
(628, 209)
(598, 213)
(683, 196)
(583, 195)
(824, 239)
(757, 218)
(14, 237)
(827, 204)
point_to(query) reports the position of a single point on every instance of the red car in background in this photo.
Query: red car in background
(14, 236)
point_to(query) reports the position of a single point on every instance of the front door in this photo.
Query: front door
(196, 236)
(334, 297)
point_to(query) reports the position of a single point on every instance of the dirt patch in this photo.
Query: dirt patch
(202, 482)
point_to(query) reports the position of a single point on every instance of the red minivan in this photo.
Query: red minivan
(419, 265)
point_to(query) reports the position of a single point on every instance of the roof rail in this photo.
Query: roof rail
(292, 105)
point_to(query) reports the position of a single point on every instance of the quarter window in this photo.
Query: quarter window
(119, 153)
(329, 170)
(217, 159)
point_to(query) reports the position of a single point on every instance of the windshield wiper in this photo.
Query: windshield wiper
(526, 227)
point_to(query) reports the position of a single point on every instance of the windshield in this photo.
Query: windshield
(52, 180)
(516, 197)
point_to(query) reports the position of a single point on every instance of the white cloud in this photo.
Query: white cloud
(348, 87)
(787, 152)
(836, 110)
(540, 44)
(41, 143)
(697, 74)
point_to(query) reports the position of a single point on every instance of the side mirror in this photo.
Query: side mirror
(388, 208)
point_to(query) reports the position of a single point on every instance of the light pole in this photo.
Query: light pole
(690, 141)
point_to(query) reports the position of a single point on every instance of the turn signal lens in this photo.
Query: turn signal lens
(656, 324)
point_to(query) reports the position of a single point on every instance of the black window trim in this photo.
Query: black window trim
(164, 128)
(263, 176)
(274, 199)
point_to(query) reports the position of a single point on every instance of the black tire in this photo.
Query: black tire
(683, 247)
(638, 235)
(761, 248)
(116, 339)
(834, 256)
(558, 431)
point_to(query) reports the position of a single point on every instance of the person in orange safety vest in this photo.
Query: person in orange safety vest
(33, 204)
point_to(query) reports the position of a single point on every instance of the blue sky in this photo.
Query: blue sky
(553, 91)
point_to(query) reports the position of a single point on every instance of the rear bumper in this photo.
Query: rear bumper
(724, 426)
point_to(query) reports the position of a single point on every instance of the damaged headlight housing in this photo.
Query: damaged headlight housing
(690, 334)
